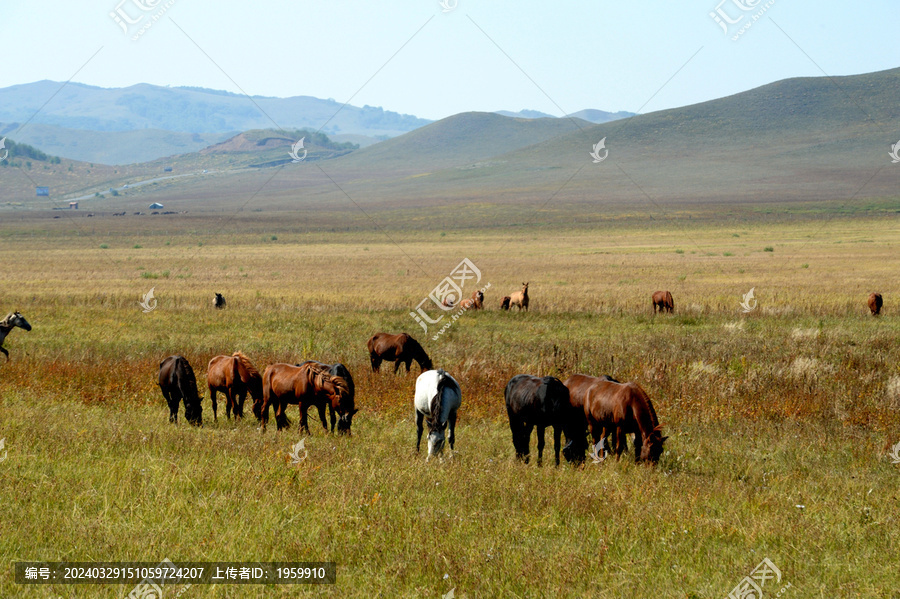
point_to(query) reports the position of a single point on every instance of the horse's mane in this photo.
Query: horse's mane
(190, 378)
(5, 321)
(443, 381)
(245, 361)
(320, 374)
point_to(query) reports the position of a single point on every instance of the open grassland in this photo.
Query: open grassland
(794, 404)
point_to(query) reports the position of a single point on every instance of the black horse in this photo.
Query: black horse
(345, 421)
(178, 383)
(538, 402)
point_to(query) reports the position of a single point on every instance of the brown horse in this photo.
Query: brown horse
(339, 370)
(234, 376)
(875, 303)
(621, 409)
(578, 385)
(662, 301)
(476, 302)
(400, 349)
(520, 298)
(12, 320)
(504, 303)
(178, 383)
(304, 386)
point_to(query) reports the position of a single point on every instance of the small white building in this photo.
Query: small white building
(155, 206)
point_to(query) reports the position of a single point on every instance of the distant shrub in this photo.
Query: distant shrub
(679, 251)
(104, 246)
(768, 248)
(727, 254)
(137, 246)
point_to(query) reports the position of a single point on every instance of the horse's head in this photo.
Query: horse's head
(17, 320)
(193, 411)
(345, 420)
(436, 437)
(341, 399)
(652, 448)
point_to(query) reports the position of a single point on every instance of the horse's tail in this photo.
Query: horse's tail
(670, 301)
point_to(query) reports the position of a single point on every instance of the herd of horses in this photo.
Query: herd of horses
(582, 407)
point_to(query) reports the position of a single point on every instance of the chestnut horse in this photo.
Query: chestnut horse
(662, 301)
(304, 386)
(520, 298)
(578, 385)
(400, 349)
(178, 383)
(476, 302)
(538, 402)
(234, 376)
(339, 370)
(504, 303)
(875, 303)
(620, 409)
(12, 320)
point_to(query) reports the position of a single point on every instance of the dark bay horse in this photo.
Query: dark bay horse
(339, 370)
(12, 320)
(400, 349)
(578, 385)
(308, 385)
(875, 303)
(437, 401)
(234, 376)
(219, 301)
(520, 298)
(662, 301)
(178, 383)
(537, 402)
(504, 303)
(622, 409)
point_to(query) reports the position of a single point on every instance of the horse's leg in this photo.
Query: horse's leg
(397, 366)
(239, 405)
(173, 410)
(452, 424)
(215, 404)
(321, 408)
(376, 362)
(229, 401)
(408, 365)
(557, 431)
(620, 441)
(540, 444)
(332, 416)
(304, 423)
(5, 353)
(419, 417)
(638, 444)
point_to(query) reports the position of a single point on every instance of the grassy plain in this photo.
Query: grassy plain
(779, 420)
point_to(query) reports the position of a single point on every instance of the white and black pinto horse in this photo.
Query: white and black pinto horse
(438, 398)
(13, 320)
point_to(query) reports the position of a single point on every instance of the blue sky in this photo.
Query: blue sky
(409, 56)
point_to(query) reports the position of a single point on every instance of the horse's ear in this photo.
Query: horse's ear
(355, 411)
(663, 440)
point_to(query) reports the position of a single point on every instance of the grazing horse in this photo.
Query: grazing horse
(504, 303)
(537, 402)
(662, 301)
(234, 376)
(437, 400)
(219, 301)
(339, 370)
(620, 409)
(401, 348)
(304, 386)
(520, 298)
(12, 320)
(476, 302)
(578, 385)
(448, 302)
(178, 383)
(875, 303)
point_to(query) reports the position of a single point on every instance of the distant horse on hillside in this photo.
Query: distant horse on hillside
(662, 301)
(537, 402)
(578, 385)
(504, 303)
(875, 303)
(476, 301)
(621, 409)
(339, 370)
(12, 320)
(520, 298)
(178, 383)
(308, 385)
(234, 376)
(400, 349)
(437, 400)
(219, 301)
